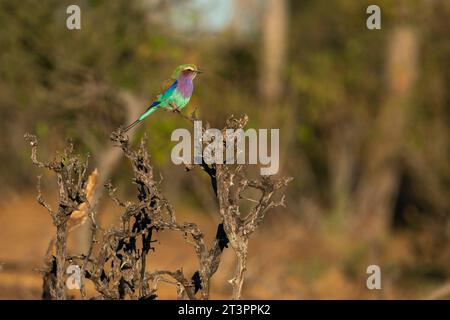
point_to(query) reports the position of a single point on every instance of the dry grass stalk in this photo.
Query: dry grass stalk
(79, 217)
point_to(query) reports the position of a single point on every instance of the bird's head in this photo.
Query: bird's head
(186, 69)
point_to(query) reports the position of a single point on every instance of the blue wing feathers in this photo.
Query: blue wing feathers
(163, 96)
(154, 103)
(166, 94)
(170, 90)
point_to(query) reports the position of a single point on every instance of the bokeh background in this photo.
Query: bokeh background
(364, 118)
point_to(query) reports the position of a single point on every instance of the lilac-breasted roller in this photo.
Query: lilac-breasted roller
(176, 95)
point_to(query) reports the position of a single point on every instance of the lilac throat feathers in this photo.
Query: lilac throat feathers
(185, 84)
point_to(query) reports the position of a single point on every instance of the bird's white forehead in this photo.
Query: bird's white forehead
(190, 67)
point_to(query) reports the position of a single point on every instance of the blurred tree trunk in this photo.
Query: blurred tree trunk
(272, 81)
(379, 184)
(274, 29)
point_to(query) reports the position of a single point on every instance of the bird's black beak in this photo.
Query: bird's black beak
(199, 71)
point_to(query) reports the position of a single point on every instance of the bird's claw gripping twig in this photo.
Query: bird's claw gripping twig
(174, 107)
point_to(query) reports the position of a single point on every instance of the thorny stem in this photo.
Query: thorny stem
(86, 259)
(241, 266)
(61, 235)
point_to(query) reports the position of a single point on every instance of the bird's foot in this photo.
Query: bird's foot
(174, 108)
